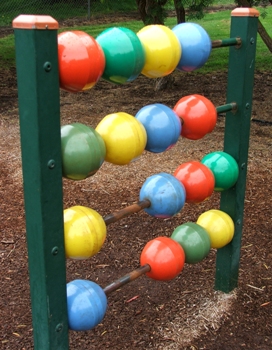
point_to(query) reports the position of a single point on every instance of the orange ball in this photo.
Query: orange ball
(81, 61)
(197, 179)
(198, 114)
(165, 256)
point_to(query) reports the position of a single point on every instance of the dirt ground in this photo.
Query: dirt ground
(186, 313)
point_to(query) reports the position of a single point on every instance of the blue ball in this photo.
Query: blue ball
(166, 194)
(86, 303)
(195, 44)
(162, 125)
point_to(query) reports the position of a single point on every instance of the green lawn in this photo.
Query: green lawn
(217, 25)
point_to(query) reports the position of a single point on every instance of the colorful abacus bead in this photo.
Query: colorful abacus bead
(194, 240)
(224, 167)
(81, 61)
(196, 46)
(124, 53)
(165, 257)
(84, 232)
(124, 136)
(165, 193)
(83, 151)
(162, 50)
(198, 116)
(197, 179)
(162, 125)
(219, 226)
(86, 305)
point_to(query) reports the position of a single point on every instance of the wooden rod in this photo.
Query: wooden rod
(134, 208)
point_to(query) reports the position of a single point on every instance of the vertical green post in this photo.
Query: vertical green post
(39, 110)
(244, 24)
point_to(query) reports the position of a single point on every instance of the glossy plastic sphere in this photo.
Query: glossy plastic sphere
(194, 240)
(124, 137)
(196, 46)
(165, 257)
(81, 61)
(166, 194)
(83, 151)
(224, 167)
(198, 114)
(162, 125)
(162, 50)
(84, 232)
(125, 56)
(197, 179)
(86, 305)
(219, 226)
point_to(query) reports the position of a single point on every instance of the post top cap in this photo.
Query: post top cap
(35, 22)
(245, 12)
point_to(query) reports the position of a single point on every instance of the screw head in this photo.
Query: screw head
(47, 66)
(59, 327)
(51, 164)
(55, 250)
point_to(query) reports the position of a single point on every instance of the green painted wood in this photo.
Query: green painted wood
(236, 143)
(38, 91)
(226, 42)
(226, 108)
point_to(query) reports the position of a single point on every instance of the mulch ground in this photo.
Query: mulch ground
(185, 313)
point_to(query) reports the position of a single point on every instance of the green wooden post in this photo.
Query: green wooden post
(38, 91)
(244, 24)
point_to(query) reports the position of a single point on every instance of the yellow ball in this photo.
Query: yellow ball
(219, 226)
(124, 136)
(84, 232)
(162, 50)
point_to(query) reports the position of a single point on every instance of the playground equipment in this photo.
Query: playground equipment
(38, 87)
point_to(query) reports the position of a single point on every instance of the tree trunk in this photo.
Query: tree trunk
(261, 29)
(264, 35)
(180, 11)
(151, 11)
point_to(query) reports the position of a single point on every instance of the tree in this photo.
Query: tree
(153, 11)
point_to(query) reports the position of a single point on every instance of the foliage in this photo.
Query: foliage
(195, 8)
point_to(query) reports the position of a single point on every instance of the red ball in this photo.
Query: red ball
(198, 114)
(197, 179)
(165, 256)
(81, 61)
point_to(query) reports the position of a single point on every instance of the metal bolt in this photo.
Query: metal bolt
(238, 222)
(252, 41)
(51, 164)
(59, 327)
(243, 165)
(247, 105)
(55, 250)
(47, 66)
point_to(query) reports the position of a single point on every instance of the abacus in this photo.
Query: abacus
(45, 162)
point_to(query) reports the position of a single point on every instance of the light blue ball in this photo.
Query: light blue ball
(166, 194)
(162, 125)
(86, 305)
(195, 44)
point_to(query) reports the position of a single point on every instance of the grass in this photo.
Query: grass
(216, 24)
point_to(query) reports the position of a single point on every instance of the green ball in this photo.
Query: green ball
(124, 54)
(224, 167)
(194, 240)
(83, 151)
